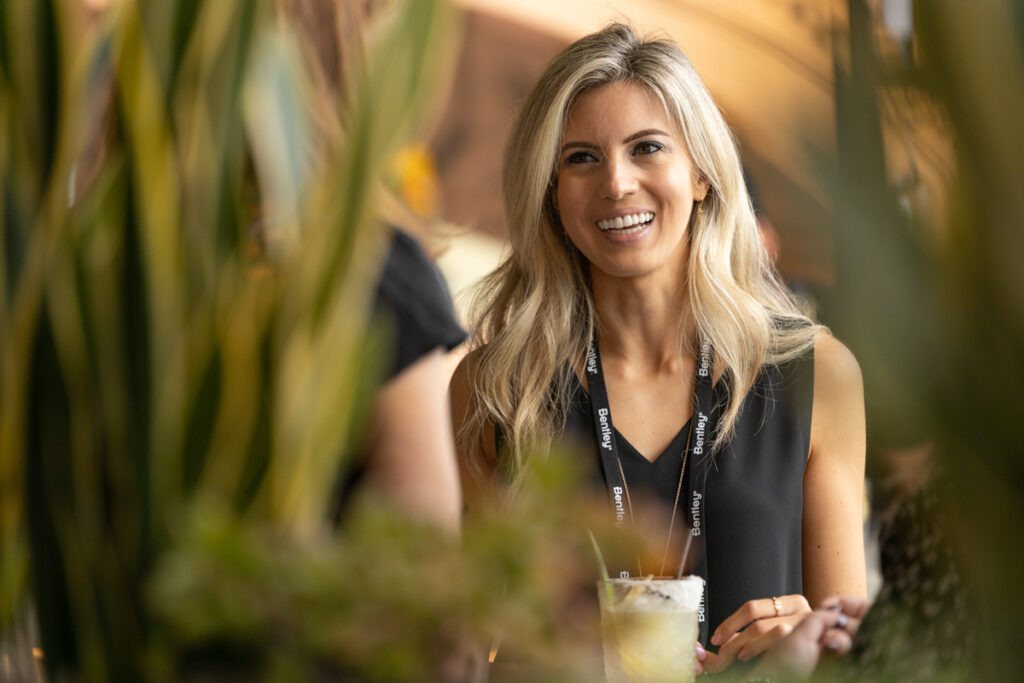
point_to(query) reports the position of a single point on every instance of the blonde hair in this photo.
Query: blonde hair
(535, 314)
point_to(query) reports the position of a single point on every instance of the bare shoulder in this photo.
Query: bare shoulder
(835, 367)
(838, 413)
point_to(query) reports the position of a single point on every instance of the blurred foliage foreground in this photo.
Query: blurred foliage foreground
(186, 269)
(932, 303)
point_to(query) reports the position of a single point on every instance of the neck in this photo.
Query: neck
(640, 320)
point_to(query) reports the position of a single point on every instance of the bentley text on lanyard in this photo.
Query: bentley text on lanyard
(701, 430)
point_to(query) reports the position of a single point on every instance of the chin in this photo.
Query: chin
(622, 270)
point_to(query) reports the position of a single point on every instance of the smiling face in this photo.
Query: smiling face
(626, 184)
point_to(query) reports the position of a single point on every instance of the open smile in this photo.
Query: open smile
(626, 225)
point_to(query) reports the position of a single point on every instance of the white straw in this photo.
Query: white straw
(686, 551)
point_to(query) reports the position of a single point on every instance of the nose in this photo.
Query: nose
(619, 179)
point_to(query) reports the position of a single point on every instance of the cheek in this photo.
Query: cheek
(566, 201)
(680, 184)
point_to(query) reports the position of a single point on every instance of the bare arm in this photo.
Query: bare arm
(833, 536)
(411, 460)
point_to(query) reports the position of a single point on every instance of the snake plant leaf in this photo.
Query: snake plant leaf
(32, 69)
(276, 111)
(331, 287)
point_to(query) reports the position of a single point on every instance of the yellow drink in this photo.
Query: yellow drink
(649, 628)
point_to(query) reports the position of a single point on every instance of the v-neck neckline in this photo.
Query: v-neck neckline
(676, 445)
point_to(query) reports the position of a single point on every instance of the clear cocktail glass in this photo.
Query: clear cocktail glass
(649, 628)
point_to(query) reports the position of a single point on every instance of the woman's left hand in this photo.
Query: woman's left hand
(766, 620)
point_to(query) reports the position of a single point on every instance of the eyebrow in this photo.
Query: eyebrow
(639, 134)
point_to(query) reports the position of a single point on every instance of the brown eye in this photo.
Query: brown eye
(580, 158)
(647, 147)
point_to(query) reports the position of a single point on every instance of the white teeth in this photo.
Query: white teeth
(621, 222)
(630, 231)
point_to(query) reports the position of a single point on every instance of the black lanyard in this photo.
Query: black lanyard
(701, 430)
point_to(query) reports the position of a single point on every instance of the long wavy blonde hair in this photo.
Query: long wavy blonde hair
(535, 313)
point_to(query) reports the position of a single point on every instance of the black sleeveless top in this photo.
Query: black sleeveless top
(753, 503)
(412, 300)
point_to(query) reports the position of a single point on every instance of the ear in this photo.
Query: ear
(701, 186)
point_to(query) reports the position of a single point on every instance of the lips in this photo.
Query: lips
(626, 224)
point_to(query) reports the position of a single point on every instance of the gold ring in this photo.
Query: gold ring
(777, 604)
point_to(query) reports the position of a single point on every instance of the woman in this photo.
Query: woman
(636, 278)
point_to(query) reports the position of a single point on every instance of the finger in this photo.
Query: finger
(715, 663)
(764, 641)
(837, 641)
(814, 624)
(762, 634)
(852, 625)
(762, 608)
(831, 602)
(840, 620)
(800, 650)
(748, 612)
(850, 605)
(761, 631)
(842, 623)
(833, 618)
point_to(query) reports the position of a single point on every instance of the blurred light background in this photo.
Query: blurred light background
(768, 63)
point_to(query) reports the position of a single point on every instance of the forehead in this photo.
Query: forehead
(615, 108)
